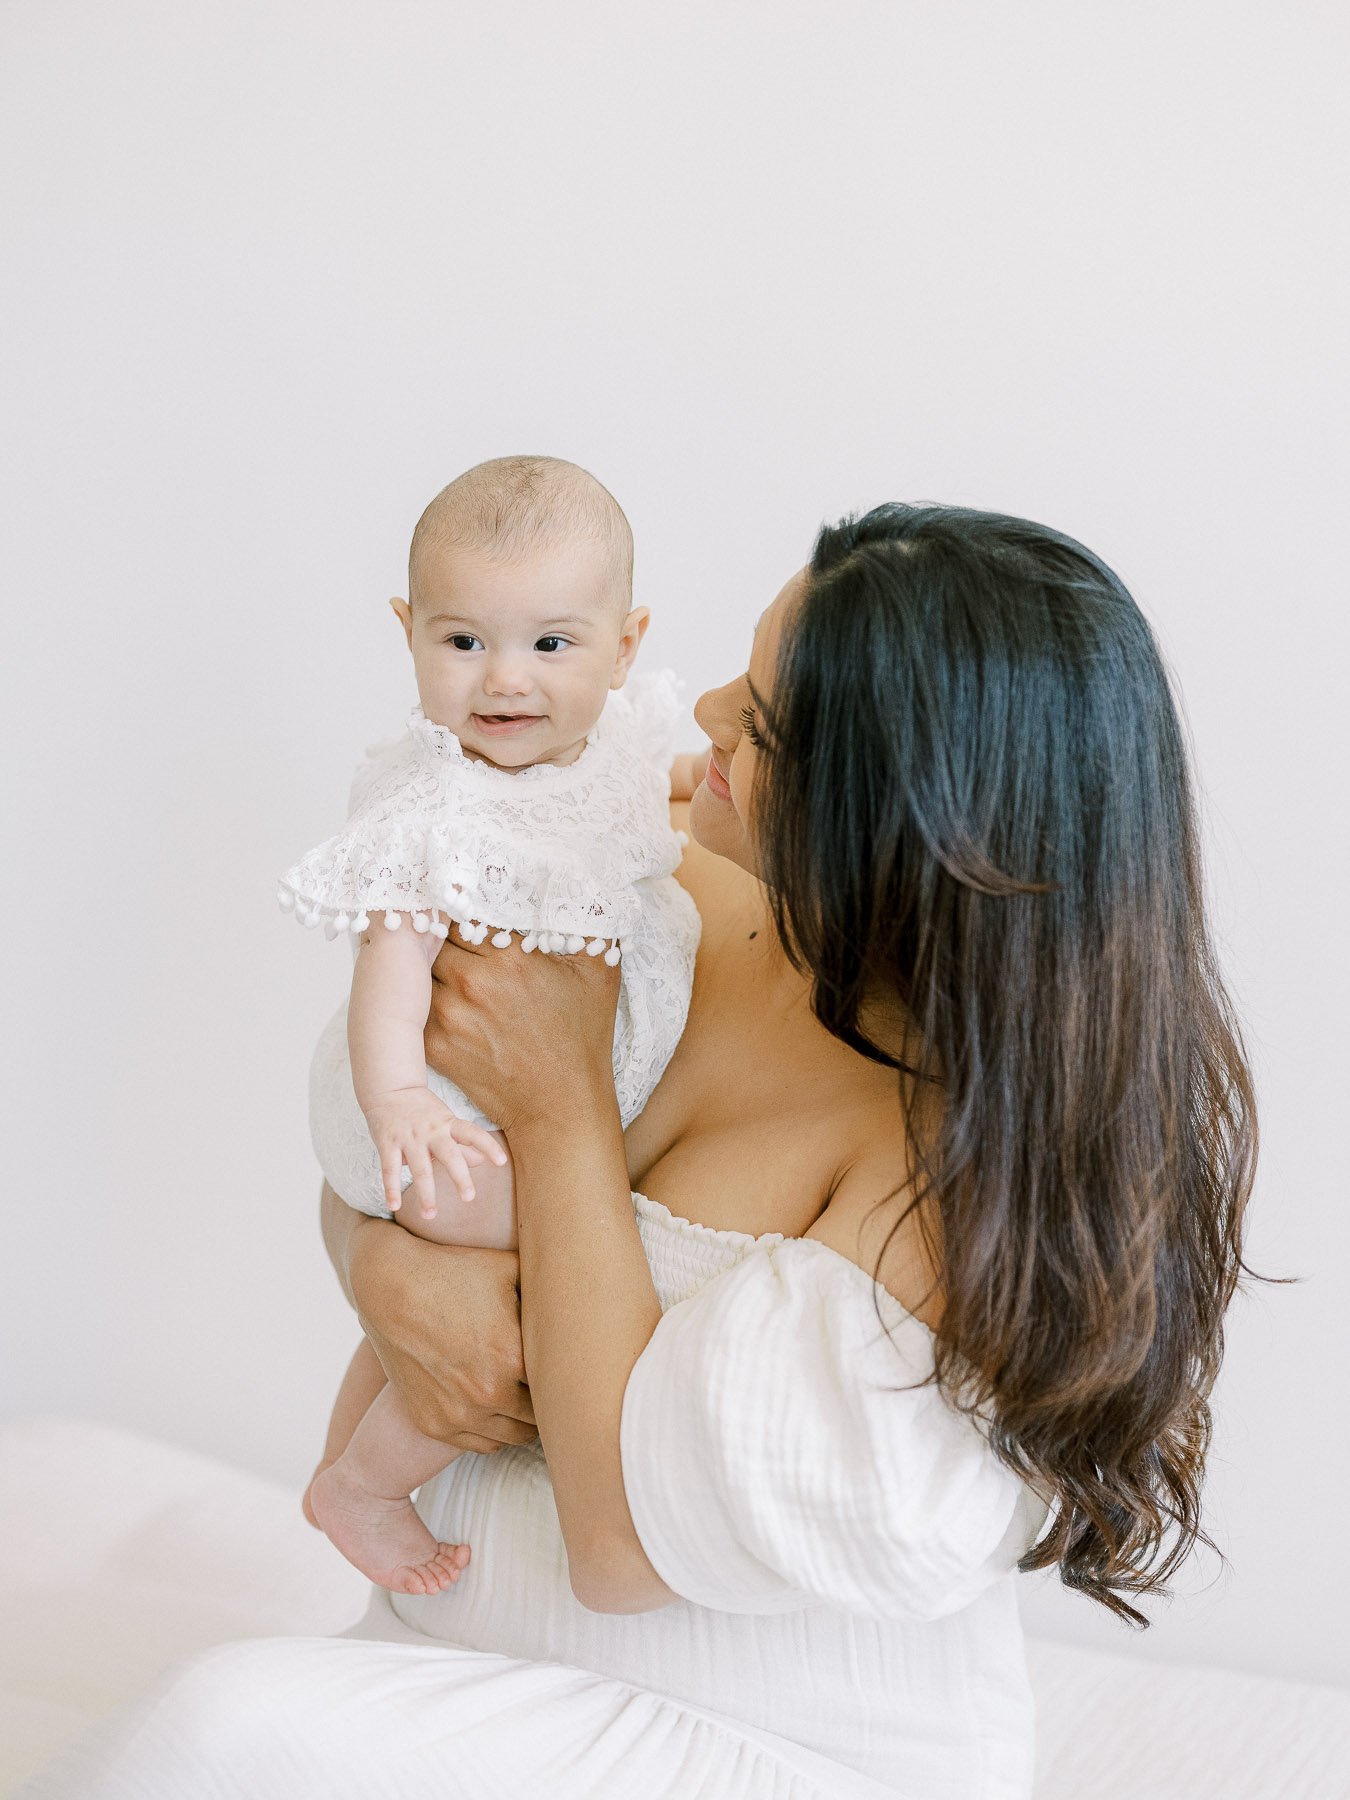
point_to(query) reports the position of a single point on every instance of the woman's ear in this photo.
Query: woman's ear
(632, 634)
(403, 613)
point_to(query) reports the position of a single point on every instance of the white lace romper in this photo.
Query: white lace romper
(569, 859)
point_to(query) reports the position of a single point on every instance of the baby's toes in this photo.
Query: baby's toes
(449, 1562)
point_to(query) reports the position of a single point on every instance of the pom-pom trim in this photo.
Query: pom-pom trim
(336, 921)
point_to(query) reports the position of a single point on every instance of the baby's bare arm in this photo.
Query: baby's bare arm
(386, 1019)
(387, 1013)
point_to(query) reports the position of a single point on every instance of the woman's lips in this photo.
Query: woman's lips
(492, 726)
(714, 779)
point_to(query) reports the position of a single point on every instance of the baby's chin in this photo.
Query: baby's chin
(516, 746)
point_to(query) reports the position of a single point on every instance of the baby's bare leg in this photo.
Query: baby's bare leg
(487, 1222)
(360, 1385)
(361, 1499)
(362, 1502)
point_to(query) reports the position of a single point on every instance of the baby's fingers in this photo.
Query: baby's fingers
(391, 1175)
(448, 1154)
(423, 1178)
(478, 1138)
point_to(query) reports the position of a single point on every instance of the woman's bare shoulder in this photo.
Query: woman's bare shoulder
(872, 1216)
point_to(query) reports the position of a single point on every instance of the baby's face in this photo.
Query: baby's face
(516, 657)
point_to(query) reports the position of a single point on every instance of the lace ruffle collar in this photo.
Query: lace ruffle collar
(441, 745)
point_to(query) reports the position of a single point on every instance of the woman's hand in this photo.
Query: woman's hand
(445, 1323)
(528, 1038)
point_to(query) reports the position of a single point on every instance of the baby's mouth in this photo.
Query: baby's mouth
(503, 720)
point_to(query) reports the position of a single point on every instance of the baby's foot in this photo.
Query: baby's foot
(384, 1538)
(306, 1501)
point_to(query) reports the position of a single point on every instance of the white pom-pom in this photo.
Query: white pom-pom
(361, 922)
(440, 929)
(330, 929)
(595, 946)
(530, 942)
(574, 944)
(392, 921)
(480, 932)
(501, 939)
(312, 919)
(420, 921)
(613, 955)
(285, 899)
(466, 931)
(342, 922)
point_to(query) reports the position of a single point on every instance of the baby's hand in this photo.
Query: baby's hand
(411, 1125)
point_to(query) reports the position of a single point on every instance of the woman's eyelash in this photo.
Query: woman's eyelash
(748, 727)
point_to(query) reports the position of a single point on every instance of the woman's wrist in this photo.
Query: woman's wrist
(572, 1109)
(571, 1095)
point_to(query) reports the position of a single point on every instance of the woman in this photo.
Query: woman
(940, 1210)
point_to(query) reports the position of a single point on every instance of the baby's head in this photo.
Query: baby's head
(520, 612)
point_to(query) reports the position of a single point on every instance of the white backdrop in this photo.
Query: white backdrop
(275, 272)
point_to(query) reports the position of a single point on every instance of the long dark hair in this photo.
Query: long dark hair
(975, 800)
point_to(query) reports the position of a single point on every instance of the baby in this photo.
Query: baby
(528, 799)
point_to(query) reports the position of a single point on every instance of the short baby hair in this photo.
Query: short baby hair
(513, 505)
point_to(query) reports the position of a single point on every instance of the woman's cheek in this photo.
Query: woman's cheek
(740, 779)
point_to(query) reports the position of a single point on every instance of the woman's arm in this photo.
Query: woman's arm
(588, 1308)
(536, 1033)
(445, 1324)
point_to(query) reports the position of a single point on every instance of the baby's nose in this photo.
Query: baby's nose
(507, 675)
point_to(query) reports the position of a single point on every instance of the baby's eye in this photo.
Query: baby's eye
(550, 643)
(462, 640)
(748, 727)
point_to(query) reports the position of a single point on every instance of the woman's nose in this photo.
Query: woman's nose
(715, 716)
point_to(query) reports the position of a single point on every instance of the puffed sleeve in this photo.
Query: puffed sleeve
(777, 1452)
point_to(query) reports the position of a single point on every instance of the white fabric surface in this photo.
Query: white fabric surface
(816, 1466)
(935, 1707)
(581, 853)
(807, 1698)
(182, 1552)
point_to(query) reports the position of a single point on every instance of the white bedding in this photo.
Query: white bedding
(171, 1551)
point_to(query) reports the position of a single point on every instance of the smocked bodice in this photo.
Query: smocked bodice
(682, 1255)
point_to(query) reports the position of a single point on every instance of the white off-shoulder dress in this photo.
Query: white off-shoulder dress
(843, 1541)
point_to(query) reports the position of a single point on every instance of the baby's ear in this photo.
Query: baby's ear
(632, 634)
(403, 613)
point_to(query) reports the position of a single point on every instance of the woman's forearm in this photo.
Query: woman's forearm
(340, 1224)
(588, 1308)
